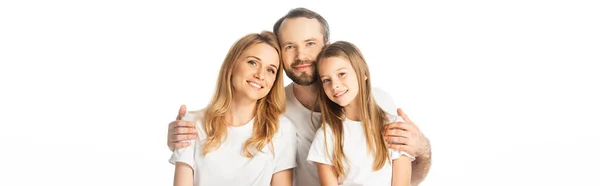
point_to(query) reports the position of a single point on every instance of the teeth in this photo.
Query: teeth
(254, 84)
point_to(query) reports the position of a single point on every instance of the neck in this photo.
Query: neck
(242, 111)
(307, 95)
(352, 112)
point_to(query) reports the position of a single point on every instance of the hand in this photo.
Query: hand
(180, 131)
(406, 136)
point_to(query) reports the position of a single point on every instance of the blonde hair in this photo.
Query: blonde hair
(267, 110)
(372, 116)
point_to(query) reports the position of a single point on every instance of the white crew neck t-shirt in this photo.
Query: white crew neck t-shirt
(305, 174)
(359, 168)
(227, 165)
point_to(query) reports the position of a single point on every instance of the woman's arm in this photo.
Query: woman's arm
(184, 175)
(282, 178)
(326, 175)
(401, 171)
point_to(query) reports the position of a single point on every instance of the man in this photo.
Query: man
(302, 34)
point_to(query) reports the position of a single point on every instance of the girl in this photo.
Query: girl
(349, 148)
(243, 138)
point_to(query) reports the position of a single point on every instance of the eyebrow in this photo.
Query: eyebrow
(336, 70)
(307, 40)
(255, 57)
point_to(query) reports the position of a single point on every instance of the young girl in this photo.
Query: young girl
(349, 148)
(243, 138)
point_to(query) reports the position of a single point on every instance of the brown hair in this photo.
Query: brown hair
(372, 116)
(306, 13)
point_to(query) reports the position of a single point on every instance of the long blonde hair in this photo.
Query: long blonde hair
(372, 116)
(267, 110)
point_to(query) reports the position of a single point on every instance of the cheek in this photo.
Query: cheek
(287, 58)
(315, 51)
(270, 80)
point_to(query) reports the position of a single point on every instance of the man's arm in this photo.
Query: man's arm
(406, 136)
(181, 131)
(420, 167)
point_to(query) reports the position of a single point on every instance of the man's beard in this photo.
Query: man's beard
(304, 78)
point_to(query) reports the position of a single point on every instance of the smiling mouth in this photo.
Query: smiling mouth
(340, 93)
(255, 85)
(302, 67)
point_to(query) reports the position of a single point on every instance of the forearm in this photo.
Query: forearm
(420, 167)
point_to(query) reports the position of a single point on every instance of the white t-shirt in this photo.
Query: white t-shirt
(359, 169)
(305, 174)
(227, 165)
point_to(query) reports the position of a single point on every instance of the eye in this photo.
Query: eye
(325, 80)
(252, 62)
(310, 43)
(341, 74)
(288, 47)
(271, 70)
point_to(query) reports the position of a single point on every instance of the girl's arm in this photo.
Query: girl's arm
(282, 178)
(326, 175)
(184, 175)
(401, 171)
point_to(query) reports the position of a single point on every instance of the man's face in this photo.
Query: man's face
(301, 42)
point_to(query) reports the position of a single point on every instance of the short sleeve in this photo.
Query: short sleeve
(286, 157)
(395, 154)
(318, 152)
(186, 155)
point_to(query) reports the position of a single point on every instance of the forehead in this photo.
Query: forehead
(299, 29)
(333, 63)
(266, 53)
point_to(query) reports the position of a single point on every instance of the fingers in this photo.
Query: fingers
(179, 145)
(185, 130)
(407, 126)
(394, 125)
(396, 140)
(182, 111)
(396, 133)
(181, 123)
(403, 115)
(182, 137)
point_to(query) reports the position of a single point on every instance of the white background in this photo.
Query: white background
(507, 91)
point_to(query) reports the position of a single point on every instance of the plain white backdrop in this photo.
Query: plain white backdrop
(507, 91)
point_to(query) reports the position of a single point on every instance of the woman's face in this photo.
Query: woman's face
(339, 80)
(255, 71)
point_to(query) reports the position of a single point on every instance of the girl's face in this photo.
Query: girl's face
(339, 80)
(255, 71)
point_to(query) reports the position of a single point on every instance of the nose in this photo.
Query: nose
(336, 85)
(301, 54)
(259, 75)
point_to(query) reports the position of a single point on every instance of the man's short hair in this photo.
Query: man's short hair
(306, 13)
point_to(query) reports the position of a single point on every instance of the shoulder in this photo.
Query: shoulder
(384, 100)
(197, 117)
(286, 126)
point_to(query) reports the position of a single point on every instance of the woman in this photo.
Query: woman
(243, 138)
(349, 148)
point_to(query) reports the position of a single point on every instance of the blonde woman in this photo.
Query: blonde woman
(243, 138)
(349, 148)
